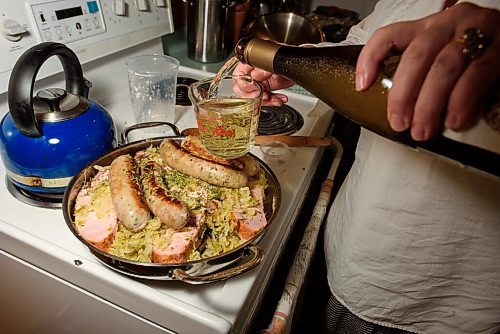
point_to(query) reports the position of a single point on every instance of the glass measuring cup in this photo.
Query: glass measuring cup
(227, 119)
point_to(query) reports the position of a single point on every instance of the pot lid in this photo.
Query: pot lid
(55, 104)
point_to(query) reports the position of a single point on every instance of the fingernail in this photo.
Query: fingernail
(360, 81)
(398, 123)
(418, 132)
(451, 121)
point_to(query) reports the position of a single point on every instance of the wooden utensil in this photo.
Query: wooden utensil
(292, 141)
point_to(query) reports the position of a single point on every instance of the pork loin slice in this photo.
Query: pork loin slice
(249, 226)
(100, 231)
(181, 243)
(98, 228)
(85, 194)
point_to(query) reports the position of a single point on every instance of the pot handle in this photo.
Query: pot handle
(22, 81)
(255, 256)
(146, 125)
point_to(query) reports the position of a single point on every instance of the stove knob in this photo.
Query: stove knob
(142, 5)
(12, 30)
(119, 7)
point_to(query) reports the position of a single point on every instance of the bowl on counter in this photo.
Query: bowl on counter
(288, 28)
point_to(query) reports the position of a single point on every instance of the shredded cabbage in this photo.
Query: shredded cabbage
(137, 246)
(98, 198)
(221, 207)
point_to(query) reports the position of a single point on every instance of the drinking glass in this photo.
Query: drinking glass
(227, 119)
(277, 155)
(152, 85)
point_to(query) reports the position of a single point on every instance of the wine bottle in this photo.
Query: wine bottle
(329, 73)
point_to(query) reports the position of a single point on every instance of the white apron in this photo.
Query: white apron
(411, 241)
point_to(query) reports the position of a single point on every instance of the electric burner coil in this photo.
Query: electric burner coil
(284, 120)
(181, 93)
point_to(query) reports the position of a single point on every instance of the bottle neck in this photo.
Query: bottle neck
(257, 53)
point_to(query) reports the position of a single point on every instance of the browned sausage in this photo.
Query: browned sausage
(131, 209)
(214, 173)
(251, 166)
(194, 145)
(171, 212)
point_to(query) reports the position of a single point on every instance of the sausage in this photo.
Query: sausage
(194, 145)
(214, 173)
(251, 166)
(131, 209)
(171, 212)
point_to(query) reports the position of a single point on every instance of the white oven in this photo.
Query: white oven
(49, 281)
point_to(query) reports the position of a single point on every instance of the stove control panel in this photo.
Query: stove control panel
(67, 21)
(91, 28)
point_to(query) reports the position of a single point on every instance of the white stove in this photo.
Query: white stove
(50, 282)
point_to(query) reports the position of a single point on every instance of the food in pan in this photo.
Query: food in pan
(212, 172)
(128, 202)
(172, 203)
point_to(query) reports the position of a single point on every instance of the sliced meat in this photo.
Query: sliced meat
(132, 210)
(100, 231)
(249, 226)
(214, 173)
(180, 244)
(194, 145)
(98, 226)
(177, 250)
(171, 211)
(85, 194)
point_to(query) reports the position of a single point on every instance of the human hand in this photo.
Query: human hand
(268, 81)
(434, 75)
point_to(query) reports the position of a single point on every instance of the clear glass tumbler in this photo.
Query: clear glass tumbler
(152, 85)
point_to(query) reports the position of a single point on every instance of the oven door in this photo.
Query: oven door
(57, 306)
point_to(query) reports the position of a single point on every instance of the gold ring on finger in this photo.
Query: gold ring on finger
(473, 43)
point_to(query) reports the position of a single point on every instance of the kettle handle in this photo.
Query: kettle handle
(22, 81)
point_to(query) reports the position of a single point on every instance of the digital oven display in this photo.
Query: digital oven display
(68, 12)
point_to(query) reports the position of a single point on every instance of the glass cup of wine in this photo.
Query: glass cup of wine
(227, 111)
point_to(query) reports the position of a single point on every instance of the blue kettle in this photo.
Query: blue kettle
(47, 138)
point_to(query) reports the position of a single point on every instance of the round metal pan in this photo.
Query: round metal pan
(216, 268)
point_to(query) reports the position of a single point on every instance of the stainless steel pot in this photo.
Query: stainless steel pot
(288, 28)
(206, 35)
(216, 268)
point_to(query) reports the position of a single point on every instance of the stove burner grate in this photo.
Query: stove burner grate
(283, 120)
(181, 94)
(50, 201)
